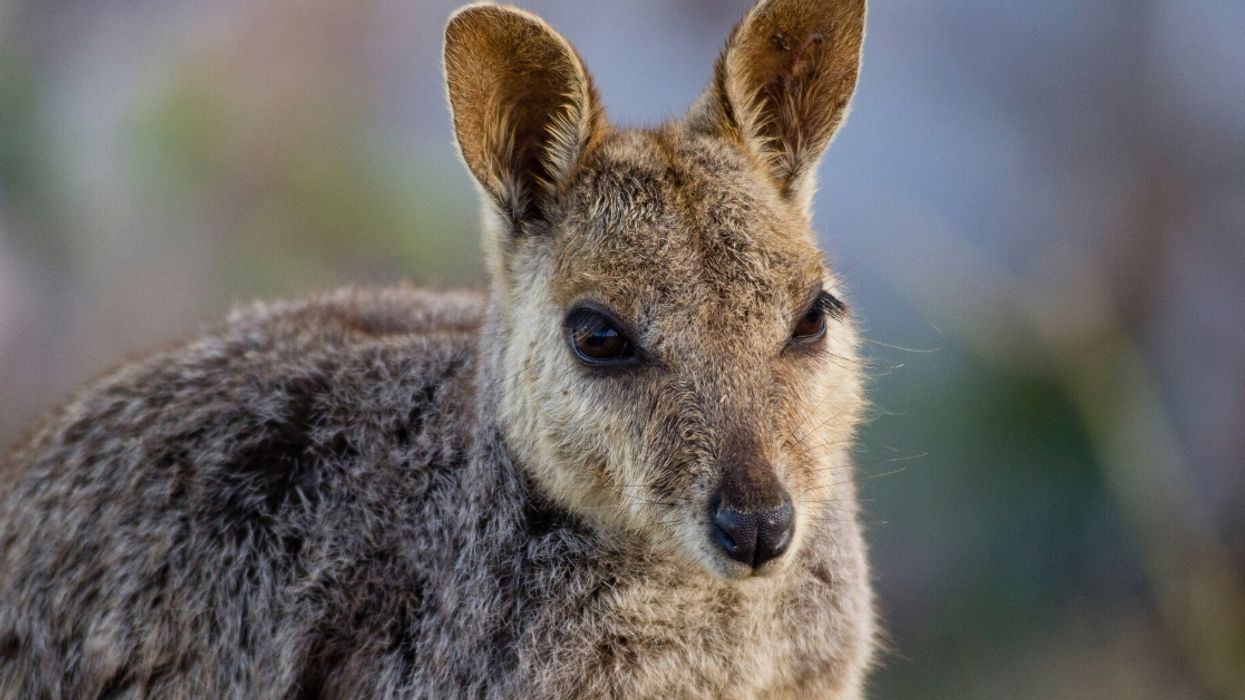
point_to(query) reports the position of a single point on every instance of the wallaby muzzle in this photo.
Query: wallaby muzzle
(751, 515)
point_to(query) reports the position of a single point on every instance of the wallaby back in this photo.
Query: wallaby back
(624, 472)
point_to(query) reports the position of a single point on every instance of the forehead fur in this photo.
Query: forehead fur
(668, 219)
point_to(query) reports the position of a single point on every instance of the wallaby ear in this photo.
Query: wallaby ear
(524, 108)
(783, 84)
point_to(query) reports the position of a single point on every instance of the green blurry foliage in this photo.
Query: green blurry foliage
(27, 193)
(996, 488)
(305, 205)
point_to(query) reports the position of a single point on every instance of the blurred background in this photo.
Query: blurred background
(1039, 208)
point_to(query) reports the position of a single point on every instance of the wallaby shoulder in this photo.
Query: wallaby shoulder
(265, 352)
(279, 467)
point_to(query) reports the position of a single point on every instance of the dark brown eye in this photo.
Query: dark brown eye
(812, 325)
(596, 340)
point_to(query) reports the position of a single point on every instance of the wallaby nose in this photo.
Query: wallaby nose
(752, 537)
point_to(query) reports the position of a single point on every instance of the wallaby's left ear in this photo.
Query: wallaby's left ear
(783, 84)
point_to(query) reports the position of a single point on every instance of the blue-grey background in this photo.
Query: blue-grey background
(1039, 207)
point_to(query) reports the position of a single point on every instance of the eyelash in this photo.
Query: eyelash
(830, 305)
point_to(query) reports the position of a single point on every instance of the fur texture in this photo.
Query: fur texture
(392, 493)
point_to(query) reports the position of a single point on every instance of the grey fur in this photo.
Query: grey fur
(312, 501)
(321, 498)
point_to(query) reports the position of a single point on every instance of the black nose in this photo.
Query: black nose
(753, 537)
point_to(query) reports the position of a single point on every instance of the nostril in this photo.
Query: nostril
(724, 540)
(735, 533)
(773, 533)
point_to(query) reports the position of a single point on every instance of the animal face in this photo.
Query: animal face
(676, 362)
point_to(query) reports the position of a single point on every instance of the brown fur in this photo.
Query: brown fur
(394, 494)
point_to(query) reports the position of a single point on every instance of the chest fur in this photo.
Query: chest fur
(680, 635)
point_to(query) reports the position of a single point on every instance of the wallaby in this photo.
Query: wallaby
(625, 472)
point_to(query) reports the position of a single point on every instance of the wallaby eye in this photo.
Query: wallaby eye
(812, 325)
(596, 339)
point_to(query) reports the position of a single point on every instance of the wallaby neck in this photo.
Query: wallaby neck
(513, 491)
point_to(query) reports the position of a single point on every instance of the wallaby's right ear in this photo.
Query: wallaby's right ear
(524, 108)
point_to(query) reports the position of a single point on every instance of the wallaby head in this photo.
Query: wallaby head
(672, 357)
